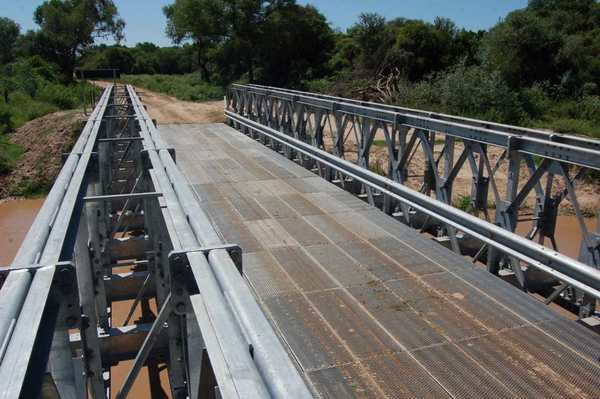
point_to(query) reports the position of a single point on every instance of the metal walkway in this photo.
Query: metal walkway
(368, 307)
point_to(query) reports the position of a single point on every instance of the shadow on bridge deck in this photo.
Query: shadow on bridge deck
(367, 306)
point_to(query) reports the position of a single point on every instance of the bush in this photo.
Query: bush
(9, 154)
(465, 91)
(34, 90)
(589, 108)
(570, 126)
(64, 97)
(318, 85)
(472, 91)
(573, 116)
(535, 100)
(185, 87)
(24, 108)
(6, 124)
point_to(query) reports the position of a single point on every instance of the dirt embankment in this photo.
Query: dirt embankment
(43, 140)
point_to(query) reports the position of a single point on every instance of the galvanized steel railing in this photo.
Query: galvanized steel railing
(347, 129)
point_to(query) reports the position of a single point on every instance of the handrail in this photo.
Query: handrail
(552, 262)
(546, 148)
(570, 139)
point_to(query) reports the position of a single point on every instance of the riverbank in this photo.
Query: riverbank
(43, 141)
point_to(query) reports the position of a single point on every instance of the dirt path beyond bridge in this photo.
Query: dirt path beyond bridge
(167, 109)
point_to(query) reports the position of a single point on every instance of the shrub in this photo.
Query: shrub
(6, 125)
(571, 126)
(318, 85)
(475, 92)
(64, 97)
(535, 100)
(589, 108)
(185, 87)
(9, 154)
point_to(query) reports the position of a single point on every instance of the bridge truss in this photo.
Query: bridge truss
(121, 225)
(335, 135)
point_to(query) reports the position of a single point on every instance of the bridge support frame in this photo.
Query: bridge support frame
(348, 129)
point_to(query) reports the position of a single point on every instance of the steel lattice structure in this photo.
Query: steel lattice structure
(347, 129)
(121, 203)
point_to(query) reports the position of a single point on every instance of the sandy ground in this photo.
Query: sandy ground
(588, 192)
(166, 109)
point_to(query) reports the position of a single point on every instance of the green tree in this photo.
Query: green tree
(9, 34)
(295, 44)
(522, 48)
(371, 36)
(346, 54)
(201, 21)
(270, 41)
(70, 26)
(550, 40)
(421, 48)
(117, 57)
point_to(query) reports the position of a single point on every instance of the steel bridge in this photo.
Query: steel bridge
(273, 260)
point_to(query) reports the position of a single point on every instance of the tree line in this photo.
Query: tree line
(539, 63)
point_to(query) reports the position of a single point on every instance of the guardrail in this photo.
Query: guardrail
(569, 139)
(348, 129)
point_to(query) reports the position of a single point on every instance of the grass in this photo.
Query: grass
(569, 125)
(9, 154)
(22, 108)
(463, 202)
(188, 87)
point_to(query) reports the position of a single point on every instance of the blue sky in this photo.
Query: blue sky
(146, 22)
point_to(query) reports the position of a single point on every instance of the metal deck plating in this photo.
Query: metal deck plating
(367, 306)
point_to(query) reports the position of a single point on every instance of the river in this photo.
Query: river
(15, 219)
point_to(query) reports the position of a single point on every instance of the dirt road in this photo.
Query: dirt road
(167, 109)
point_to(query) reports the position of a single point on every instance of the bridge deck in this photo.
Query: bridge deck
(367, 306)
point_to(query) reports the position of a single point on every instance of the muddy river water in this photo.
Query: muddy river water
(15, 219)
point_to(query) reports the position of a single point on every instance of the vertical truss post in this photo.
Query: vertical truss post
(448, 153)
(94, 213)
(159, 272)
(90, 344)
